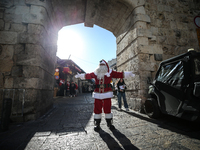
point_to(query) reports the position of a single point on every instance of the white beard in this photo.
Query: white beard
(101, 71)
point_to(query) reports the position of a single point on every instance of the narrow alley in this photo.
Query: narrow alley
(69, 126)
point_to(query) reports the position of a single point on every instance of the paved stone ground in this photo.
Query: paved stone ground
(69, 126)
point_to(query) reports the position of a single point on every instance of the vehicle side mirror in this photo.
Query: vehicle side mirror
(149, 80)
(196, 91)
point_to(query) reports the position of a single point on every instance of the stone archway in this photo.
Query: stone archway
(146, 31)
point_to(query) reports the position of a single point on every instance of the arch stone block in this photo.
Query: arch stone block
(8, 37)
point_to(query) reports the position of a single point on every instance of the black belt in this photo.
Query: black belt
(102, 86)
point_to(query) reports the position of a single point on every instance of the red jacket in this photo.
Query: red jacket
(103, 88)
(76, 86)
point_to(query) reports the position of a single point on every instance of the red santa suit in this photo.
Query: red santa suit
(103, 90)
(67, 85)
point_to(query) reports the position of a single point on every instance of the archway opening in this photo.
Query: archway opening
(79, 50)
(86, 46)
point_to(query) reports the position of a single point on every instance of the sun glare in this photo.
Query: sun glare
(69, 42)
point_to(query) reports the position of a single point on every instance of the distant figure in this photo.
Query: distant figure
(115, 89)
(121, 93)
(76, 89)
(72, 89)
(67, 87)
(90, 89)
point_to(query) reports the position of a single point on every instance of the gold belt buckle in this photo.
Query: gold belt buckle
(101, 86)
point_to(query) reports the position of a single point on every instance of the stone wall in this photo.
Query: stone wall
(27, 55)
(158, 30)
(147, 32)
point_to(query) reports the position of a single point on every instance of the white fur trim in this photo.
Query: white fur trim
(128, 74)
(102, 95)
(103, 62)
(109, 116)
(108, 73)
(97, 116)
(82, 76)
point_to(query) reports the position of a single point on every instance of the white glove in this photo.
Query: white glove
(128, 74)
(132, 75)
(81, 76)
(77, 76)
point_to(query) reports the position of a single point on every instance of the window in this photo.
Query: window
(171, 74)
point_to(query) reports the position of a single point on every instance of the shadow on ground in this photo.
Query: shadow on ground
(68, 115)
(113, 144)
(184, 127)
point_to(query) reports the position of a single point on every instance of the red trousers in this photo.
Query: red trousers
(102, 103)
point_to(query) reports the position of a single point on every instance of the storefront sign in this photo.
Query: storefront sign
(56, 77)
(67, 70)
(56, 74)
(77, 69)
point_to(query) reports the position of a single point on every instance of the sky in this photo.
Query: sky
(86, 46)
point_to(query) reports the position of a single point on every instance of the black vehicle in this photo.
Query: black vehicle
(176, 88)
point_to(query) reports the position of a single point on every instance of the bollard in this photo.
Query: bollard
(6, 111)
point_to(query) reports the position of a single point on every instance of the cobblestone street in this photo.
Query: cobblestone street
(69, 126)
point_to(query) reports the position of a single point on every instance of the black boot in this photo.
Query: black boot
(109, 124)
(97, 124)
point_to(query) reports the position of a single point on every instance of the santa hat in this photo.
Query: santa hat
(103, 62)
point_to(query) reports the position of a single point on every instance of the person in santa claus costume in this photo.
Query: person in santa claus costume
(103, 91)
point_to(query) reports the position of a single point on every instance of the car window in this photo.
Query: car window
(171, 74)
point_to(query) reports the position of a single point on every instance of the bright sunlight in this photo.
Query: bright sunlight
(69, 43)
(86, 46)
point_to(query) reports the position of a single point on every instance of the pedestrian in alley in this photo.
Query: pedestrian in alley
(115, 89)
(76, 89)
(90, 89)
(67, 87)
(72, 89)
(103, 91)
(121, 93)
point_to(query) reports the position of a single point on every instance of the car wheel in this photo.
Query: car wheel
(151, 108)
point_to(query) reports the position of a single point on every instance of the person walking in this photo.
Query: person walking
(121, 93)
(67, 87)
(76, 88)
(115, 89)
(72, 89)
(90, 89)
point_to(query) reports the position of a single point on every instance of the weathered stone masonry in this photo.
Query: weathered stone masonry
(147, 32)
(28, 55)
(159, 30)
